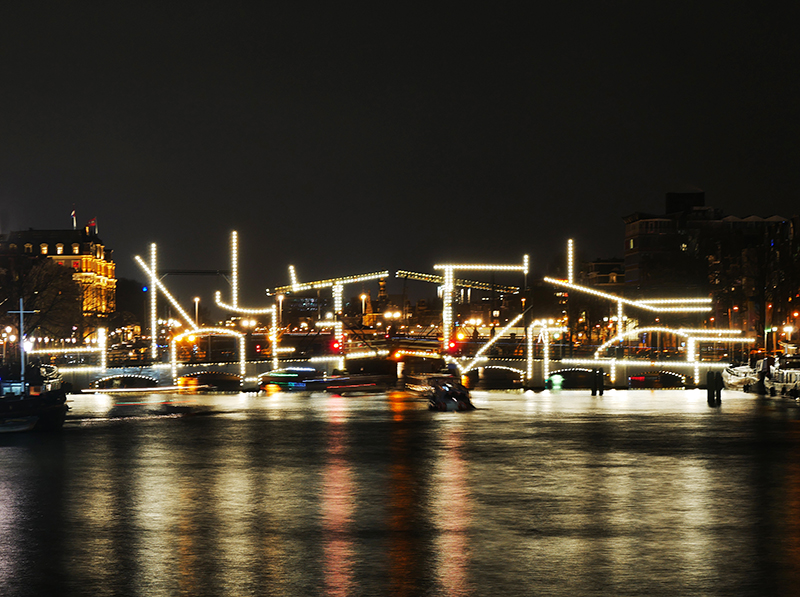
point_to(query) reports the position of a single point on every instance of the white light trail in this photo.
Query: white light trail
(242, 310)
(186, 317)
(332, 282)
(497, 336)
(684, 332)
(436, 279)
(640, 304)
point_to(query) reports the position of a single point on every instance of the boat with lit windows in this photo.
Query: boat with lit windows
(36, 401)
(290, 379)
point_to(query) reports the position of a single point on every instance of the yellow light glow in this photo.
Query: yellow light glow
(367, 354)
(418, 353)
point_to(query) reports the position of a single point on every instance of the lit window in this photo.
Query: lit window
(43, 248)
(76, 249)
(59, 249)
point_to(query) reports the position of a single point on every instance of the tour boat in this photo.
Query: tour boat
(38, 403)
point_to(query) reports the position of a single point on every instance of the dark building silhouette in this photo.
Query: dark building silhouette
(692, 249)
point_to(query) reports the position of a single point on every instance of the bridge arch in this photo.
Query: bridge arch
(573, 377)
(203, 332)
(120, 381)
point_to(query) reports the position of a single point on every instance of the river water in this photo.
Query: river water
(631, 493)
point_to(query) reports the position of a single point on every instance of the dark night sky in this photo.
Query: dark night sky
(349, 141)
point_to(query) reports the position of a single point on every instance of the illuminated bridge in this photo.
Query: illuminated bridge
(532, 362)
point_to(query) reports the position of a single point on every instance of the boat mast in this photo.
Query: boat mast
(22, 312)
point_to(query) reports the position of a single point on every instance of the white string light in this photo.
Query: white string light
(206, 332)
(242, 310)
(189, 320)
(273, 338)
(235, 269)
(685, 332)
(296, 287)
(447, 308)
(570, 262)
(640, 304)
(153, 305)
(497, 336)
(436, 279)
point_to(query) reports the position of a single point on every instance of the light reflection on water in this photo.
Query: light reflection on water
(289, 494)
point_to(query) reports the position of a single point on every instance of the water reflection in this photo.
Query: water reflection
(451, 509)
(338, 501)
(404, 551)
(562, 494)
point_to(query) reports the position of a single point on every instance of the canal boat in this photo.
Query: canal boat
(356, 383)
(39, 403)
(444, 392)
(290, 379)
(447, 394)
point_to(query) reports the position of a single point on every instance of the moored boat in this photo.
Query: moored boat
(37, 404)
(739, 378)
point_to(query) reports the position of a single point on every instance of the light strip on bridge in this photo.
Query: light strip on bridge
(206, 332)
(596, 362)
(640, 304)
(685, 332)
(497, 336)
(332, 282)
(190, 322)
(242, 310)
(153, 303)
(436, 279)
(485, 267)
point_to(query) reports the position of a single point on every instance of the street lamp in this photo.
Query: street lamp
(196, 309)
(280, 310)
(363, 304)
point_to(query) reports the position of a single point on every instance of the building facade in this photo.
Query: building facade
(746, 264)
(83, 252)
